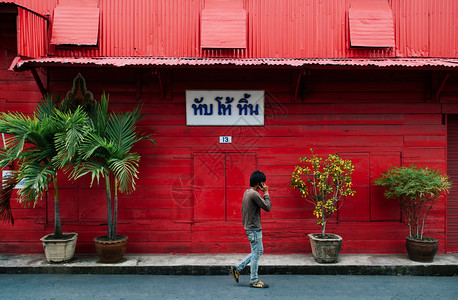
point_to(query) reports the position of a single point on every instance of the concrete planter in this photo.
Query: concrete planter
(325, 250)
(59, 250)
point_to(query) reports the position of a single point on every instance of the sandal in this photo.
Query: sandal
(235, 274)
(258, 284)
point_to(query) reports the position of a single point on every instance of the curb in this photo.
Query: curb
(394, 265)
(224, 270)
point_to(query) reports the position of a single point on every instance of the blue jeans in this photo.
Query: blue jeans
(255, 238)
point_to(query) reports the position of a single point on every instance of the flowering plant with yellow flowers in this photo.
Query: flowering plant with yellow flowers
(324, 182)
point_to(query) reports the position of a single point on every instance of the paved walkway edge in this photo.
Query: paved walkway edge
(223, 270)
(373, 264)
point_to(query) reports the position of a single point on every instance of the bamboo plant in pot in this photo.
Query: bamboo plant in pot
(324, 182)
(106, 152)
(32, 147)
(417, 190)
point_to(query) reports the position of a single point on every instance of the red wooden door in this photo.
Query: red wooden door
(219, 182)
(369, 202)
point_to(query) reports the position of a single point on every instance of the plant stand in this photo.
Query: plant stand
(325, 250)
(421, 250)
(59, 250)
(110, 251)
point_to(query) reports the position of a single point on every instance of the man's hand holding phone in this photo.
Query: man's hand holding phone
(264, 188)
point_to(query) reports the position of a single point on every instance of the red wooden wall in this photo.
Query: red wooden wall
(18, 92)
(190, 186)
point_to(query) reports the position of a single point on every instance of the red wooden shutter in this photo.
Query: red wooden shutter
(452, 171)
(371, 24)
(76, 23)
(224, 25)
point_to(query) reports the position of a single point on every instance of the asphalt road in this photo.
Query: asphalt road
(94, 287)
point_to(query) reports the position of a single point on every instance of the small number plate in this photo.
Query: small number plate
(225, 139)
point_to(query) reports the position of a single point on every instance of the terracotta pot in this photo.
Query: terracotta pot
(110, 251)
(325, 250)
(421, 250)
(59, 250)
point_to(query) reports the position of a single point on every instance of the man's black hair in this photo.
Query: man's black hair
(256, 178)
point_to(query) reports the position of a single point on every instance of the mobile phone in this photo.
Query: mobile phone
(261, 185)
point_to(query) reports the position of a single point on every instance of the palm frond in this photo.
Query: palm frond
(121, 131)
(15, 147)
(25, 132)
(7, 188)
(93, 167)
(73, 128)
(125, 171)
(95, 145)
(36, 177)
(46, 108)
(102, 115)
(14, 123)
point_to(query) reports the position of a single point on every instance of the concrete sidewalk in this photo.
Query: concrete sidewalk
(218, 264)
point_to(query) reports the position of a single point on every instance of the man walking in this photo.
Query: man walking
(251, 215)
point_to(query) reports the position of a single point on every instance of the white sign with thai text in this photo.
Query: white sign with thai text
(225, 108)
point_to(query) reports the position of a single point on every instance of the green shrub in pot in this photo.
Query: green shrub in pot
(417, 190)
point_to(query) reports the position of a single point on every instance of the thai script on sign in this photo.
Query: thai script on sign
(225, 107)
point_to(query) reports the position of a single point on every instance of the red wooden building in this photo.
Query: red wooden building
(375, 81)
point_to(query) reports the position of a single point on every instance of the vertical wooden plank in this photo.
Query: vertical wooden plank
(239, 168)
(357, 208)
(209, 189)
(452, 170)
(383, 209)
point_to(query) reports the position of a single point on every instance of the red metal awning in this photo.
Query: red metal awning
(223, 24)
(371, 24)
(424, 63)
(76, 23)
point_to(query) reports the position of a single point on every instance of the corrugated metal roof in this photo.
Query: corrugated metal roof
(43, 7)
(154, 61)
(32, 38)
(276, 28)
(76, 23)
(18, 4)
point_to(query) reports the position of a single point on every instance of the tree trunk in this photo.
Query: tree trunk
(323, 228)
(109, 213)
(57, 220)
(115, 213)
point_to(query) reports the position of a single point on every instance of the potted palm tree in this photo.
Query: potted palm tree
(32, 146)
(106, 152)
(417, 190)
(324, 182)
